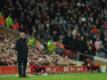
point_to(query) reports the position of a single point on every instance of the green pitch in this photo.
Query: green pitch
(75, 76)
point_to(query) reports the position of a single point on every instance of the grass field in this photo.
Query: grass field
(75, 76)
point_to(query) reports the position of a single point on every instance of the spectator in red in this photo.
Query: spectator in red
(95, 30)
(91, 66)
(2, 20)
(16, 25)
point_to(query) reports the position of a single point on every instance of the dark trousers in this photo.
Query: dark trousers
(22, 69)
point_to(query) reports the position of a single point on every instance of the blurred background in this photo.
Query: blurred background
(59, 32)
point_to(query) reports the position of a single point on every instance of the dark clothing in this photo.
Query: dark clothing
(60, 51)
(22, 50)
(22, 53)
(105, 48)
(82, 46)
(91, 52)
(67, 41)
(3, 64)
(55, 37)
(74, 43)
(22, 68)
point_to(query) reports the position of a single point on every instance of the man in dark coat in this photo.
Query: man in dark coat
(22, 53)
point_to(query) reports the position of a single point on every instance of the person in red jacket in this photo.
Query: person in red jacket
(2, 20)
(95, 30)
(91, 66)
(16, 25)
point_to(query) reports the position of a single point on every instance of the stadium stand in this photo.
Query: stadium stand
(8, 53)
(57, 30)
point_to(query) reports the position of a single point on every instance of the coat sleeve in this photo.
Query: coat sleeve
(17, 46)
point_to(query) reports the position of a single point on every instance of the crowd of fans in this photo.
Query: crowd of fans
(8, 54)
(65, 27)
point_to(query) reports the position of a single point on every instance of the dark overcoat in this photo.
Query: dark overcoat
(22, 50)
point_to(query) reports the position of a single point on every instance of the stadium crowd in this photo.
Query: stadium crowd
(8, 54)
(65, 27)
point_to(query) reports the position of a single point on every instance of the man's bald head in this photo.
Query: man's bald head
(22, 35)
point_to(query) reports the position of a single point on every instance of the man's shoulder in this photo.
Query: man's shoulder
(18, 40)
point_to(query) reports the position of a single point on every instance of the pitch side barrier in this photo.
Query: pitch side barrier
(11, 70)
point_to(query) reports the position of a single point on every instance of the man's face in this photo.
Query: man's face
(22, 35)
